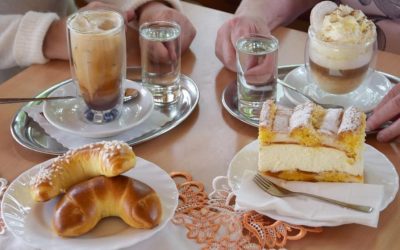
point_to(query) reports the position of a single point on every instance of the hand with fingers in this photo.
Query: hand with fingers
(260, 69)
(156, 11)
(387, 110)
(128, 15)
(228, 35)
(255, 17)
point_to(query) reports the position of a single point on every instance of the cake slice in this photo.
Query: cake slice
(310, 143)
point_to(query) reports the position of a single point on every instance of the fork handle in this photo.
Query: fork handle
(361, 208)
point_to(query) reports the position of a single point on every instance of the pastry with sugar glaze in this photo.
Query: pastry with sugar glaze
(109, 158)
(310, 143)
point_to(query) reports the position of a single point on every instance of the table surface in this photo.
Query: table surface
(207, 140)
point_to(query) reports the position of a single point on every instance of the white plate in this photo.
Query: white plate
(66, 114)
(30, 221)
(366, 97)
(377, 170)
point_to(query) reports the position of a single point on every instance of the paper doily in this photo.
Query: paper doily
(213, 223)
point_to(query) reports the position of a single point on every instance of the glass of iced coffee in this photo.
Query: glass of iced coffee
(97, 50)
(341, 48)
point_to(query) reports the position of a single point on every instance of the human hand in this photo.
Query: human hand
(231, 31)
(387, 110)
(128, 15)
(156, 11)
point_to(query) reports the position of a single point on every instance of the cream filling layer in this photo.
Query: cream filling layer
(326, 140)
(292, 157)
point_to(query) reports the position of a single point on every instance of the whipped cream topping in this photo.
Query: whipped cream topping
(346, 26)
(340, 37)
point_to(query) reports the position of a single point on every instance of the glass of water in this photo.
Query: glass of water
(257, 72)
(160, 48)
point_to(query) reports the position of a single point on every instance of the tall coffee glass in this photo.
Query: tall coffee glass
(97, 50)
(340, 49)
(339, 68)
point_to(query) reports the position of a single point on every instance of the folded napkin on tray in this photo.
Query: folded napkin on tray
(69, 140)
(302, 210)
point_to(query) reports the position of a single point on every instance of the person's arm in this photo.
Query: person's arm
(137, 4)
(274, 12)
(22, 37)
(55, 45)
(156, 10)
(255, 16)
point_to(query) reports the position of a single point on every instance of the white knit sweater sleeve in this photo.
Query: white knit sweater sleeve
(21, 38)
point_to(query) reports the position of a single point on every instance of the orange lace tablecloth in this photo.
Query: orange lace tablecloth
(213, 223)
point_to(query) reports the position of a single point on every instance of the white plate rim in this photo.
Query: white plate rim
(172, 194)
(294, 97)
(144, 92)
(388, 197)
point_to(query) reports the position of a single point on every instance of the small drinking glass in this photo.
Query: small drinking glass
(97, 50)
(257, 72)
(339, 68)
(160, 48)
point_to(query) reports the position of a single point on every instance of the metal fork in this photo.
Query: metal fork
(275, 190)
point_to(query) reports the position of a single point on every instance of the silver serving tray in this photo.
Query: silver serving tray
(230, 99)
(29, 134)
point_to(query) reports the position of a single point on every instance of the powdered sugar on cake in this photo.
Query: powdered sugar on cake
(351, 120)
(331, 121)
(282, 118)
(301, 116)
(266, 117)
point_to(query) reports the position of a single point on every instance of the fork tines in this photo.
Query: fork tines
(270, 187)
(262, 182)
(265, 179)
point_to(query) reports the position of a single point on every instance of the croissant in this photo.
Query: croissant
(85, 204)
(105, 158)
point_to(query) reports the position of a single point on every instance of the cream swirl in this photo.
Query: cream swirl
(346, 26)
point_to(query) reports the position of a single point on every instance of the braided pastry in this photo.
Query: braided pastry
(104, 158)
(85, 204)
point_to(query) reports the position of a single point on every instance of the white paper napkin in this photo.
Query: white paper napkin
(302, 210)
(69, 140)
